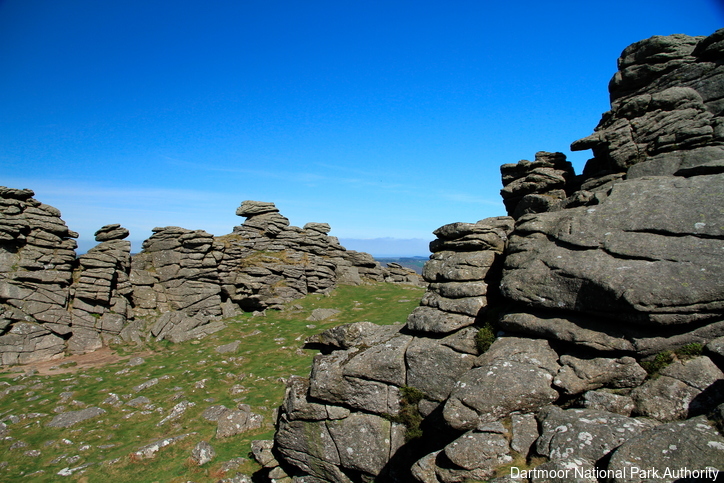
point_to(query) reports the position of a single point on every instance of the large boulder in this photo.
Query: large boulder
(516, 374)
(630, 259)
(584, 434)
(682, 390)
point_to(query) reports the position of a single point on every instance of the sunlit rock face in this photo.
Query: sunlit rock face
(592, 285)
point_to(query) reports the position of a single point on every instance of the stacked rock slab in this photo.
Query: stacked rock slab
(177, 271)
(266, 262)
(360, 380)
(100, 304)
(535, 187)
(459, 273)
(602, 275)
(37, 256)
(396, 273)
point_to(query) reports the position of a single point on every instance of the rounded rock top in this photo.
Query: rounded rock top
(251, 208)
(111, 232)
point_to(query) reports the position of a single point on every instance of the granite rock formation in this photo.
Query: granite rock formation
(178, 287)
(100, 304)
(266, 262)
(603, 294)
(37, 258)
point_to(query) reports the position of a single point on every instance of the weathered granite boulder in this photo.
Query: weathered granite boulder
(236, 421)
(180, 327)
(515, 374)
(474, 455)
(435, 365)
(584, 434)
(603, 400)
(71, 418)
(692, 445)
(28, 342)
(351, 335)
(590, 332)
(630, 259)
(579, 375)
(321, 448)
(362, 378)
(534, 187)
(203, 453)
(683, 390)
(263, 453)
(396, 273)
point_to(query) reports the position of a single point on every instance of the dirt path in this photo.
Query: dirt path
(98, 358)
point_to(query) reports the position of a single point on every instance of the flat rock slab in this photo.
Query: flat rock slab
(584, 434)
(138, 402)
(66, 420)
(684, 389)
(693, 444)
(150, 450)
(227, 348)
(235, 421)
(322, 314)
(136, 361)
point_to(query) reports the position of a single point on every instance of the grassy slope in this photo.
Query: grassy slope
(270, 351)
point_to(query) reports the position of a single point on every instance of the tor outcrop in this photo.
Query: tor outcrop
(582, 333)
(181, 286)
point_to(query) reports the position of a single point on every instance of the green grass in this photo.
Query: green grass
(270, 351)
(655, 364)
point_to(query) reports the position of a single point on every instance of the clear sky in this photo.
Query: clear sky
(385, 119)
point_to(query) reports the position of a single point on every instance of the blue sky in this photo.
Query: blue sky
(385, 119)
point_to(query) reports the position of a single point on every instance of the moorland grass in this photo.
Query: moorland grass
(270, 351)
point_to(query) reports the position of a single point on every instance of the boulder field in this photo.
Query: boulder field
(579, 338)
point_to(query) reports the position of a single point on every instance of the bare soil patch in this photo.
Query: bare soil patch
(64, 365)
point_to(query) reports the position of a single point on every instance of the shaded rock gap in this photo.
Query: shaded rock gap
(675, 234)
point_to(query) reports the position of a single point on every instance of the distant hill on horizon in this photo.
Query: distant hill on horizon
(414, 263)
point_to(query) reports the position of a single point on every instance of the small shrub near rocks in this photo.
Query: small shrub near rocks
(661, 360)
(409, 414)
(664, 358)
(485, 337)
(690, 350)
